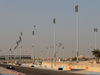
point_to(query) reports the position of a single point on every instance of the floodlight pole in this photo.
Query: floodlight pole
(11, 54)
(20, 46)
(77, 39)
(95, 31)
(77, 32)
(33, 51)
(32, 46)
(54, 40)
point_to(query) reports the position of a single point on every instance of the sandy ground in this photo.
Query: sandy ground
(89, 65)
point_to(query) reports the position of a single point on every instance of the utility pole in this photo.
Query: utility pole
(20, 38)
(77, 32)
(95, 31)
(33, 51)
(54, 21)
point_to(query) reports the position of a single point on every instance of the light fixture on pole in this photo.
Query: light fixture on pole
(20, 40)
(95, 31)
(33, 51)
(54, 21)
(11, 54)
(77, 32)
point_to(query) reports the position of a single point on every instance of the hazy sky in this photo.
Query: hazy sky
(21, 15)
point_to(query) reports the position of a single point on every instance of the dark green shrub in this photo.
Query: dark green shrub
(74, 59)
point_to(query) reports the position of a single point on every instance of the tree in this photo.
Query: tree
(96, 53)
(74, 59)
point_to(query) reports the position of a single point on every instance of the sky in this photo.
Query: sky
(21, 15)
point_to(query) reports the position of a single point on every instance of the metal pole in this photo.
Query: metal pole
(11, 54)
(51, 56)
(95, 40)
(77, 38)
(77, 32)
(54, 41)
(95, 30)
(20, 47)
(20, 53)
(32, 52)
(34, 46)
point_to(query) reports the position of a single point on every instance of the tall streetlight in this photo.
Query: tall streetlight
(77, 31)
(20, 39)
(19, 42)
(33, 51)
(54, 21)
(11, 53)
(95, 30)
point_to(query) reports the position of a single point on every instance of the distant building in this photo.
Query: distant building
(6, 57)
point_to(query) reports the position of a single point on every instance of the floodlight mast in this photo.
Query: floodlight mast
(20, 40)
(77, 32)
(95, 31)
(54, 22)
(33, 51)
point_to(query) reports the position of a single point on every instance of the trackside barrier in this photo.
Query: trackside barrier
(32, 65)
(68, 64)
(36, 65)
(87, 68)
(69, 68)
(40, 65)
(45, 66)
(60, 68)
(51, 67)
(25, 64)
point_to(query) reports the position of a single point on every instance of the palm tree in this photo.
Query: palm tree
(96, 53)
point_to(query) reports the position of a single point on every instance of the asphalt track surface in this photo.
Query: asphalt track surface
(36, 71)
